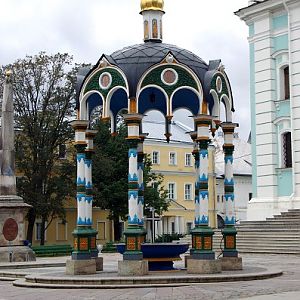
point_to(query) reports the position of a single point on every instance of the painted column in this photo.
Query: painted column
(176, 225)
(135, 232)
(140, 167)
(229, 232)
(90, 134)
(202, 233)
(84, 235)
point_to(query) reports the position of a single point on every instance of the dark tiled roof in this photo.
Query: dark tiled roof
(135, 60)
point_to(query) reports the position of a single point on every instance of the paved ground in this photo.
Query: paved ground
(284, 287)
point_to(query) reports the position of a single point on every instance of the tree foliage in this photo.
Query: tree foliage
(110, 172)
(44, 96)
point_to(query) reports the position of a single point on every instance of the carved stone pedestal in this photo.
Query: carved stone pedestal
(12, 230)
(203, 266)
(133, 267)
(81, 267)
(231, 263)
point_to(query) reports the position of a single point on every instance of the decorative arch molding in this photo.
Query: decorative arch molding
(164, 108)
(194, 108)
(104, 80)
(225, 100)
(221, 87)
(84, 111)
(111, 95)
(170, 75)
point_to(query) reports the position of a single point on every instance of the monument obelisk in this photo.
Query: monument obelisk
(12, 207)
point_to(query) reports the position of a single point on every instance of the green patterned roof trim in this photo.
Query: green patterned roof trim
(184, 79)
(224, 90)
(93, 83)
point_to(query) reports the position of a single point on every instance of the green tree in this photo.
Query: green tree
(110, 172)
(44, 97)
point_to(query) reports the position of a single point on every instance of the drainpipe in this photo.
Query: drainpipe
(291, 94)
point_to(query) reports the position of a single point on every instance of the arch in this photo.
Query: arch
(86, 108)
(152, 97)
(228, 109)
(185, 97)
(216, 107)
(117, 99)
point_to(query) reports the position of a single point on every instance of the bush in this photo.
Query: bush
(109, 247)
(168, 238)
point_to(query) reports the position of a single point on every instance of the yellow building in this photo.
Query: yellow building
(175, 161)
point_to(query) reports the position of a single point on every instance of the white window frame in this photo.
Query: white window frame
(185, 160)
(175, 158)
(158, 157)
(191, 191)
(174, 191)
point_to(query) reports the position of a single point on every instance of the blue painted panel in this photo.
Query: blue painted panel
(285, 182)
(284, 109)
(94, 101)
(281, 42)
(279, 22)
(118, 102)
(186, 99)
(152, 99)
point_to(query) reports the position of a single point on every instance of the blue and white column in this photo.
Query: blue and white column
(90, 135)
(84, 235)
(229, 232)
(202, 233)
(135, 232)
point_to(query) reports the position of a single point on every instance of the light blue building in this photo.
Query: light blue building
(274, 41)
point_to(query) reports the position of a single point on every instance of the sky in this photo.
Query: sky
(87, 29)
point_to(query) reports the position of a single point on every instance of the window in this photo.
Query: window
(61, 231)
(286, 79)
(155, 157)
(218, 198)
(38, 231)
(188, 191)
(171, 191)
(172, 158)
(188, 159)
(62, 151)
(287, 150)
(173, 227)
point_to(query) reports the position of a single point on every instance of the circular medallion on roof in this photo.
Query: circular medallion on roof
(169, 76)
(219, 85)
(105, 80)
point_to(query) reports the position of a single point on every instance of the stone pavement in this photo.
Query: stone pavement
(284, 287)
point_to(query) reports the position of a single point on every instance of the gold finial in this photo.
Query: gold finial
(152, 5)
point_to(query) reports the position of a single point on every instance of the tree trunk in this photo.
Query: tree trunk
(117, 229)
(43, 230)
(31, 220)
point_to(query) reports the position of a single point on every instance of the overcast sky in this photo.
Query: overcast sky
(86, 29)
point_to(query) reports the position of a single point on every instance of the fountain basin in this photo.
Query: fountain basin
(160, 256)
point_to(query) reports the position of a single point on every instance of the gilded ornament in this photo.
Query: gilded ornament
(152, 5)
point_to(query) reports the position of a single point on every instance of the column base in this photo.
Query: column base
(203, 266)
(231, 263)
(134, 237)
(133, 268)
(80, 267)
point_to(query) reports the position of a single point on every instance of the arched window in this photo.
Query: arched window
(287, 150)
(154, 29)
(146, 30)
(286, 79)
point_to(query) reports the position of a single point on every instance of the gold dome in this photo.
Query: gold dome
(152, 5)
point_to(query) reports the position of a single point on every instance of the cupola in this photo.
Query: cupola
(152, 12)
